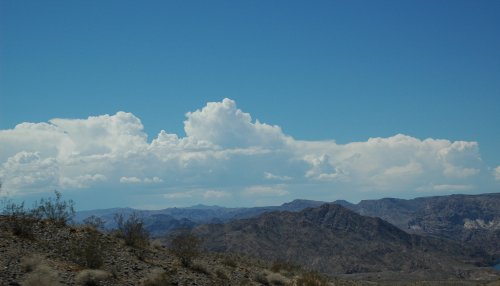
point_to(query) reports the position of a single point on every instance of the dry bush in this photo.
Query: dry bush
(229, 261)
(22, 221)
(30, 263)
(186, 247)
(156, 243)
(89, 251)
(91, 277)
(55, 210)
(94, 222)
(312, 279)
(132, 230)
(201, 268)
(221, 274)
(158, 277)
(277, 279)
(43, 275)
(261, 278)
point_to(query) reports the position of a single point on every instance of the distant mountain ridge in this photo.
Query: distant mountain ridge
(470, 219)
(159, 222)
(335, 240)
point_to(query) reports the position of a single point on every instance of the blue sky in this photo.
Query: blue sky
(320, 70)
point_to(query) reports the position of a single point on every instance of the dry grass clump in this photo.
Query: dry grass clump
(91, 277)
(158, 277)
(30, 263)
(312, 279)
(42, 275)
(277, 279)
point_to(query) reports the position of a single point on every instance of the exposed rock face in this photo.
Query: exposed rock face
(470, 219)
(334, 240)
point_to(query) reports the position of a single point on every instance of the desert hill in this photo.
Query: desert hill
(335, 240)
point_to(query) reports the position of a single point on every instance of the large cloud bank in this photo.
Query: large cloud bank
(226, 155)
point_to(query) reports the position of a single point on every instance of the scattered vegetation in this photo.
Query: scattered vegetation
(132, 230)
(22, 220)
(186, 247)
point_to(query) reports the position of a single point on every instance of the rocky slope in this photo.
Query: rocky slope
(335, 240)
(59, 255)
(470, 219)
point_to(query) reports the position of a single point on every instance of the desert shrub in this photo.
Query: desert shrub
(277, 279)
(88, 252)
(158, 277)
(229, 261)
(132, 230)
(312, 279)
(30, 263)
(221, 274)
(261, 278)
(201, 268)
(55, 210)
(42, 275)
(186, 247)
(91, 277)
(156, 243)
(285, 267)
(21, 220)
(95, 222)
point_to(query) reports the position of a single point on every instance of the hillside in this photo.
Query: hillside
(56, 254)
(470, 219)
(335, 240)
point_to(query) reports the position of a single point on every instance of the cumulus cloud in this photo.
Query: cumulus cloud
(496, 173)
(223, 124)
(225, 149)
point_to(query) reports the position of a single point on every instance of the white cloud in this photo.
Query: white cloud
(130, 180)
(271, 176)
(226, 149)
(178, 195)
(222, 123)
(214, 194)
(446, 188)
(265, 191)
(496, 173)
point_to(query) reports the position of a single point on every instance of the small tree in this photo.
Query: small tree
(186, 247)
(132, 230)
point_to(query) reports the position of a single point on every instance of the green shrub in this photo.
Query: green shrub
(132, 230)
